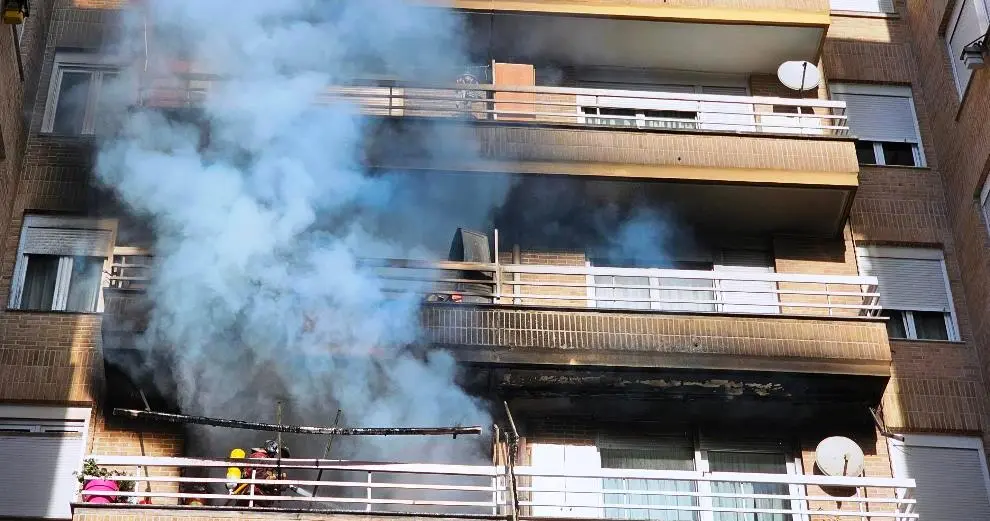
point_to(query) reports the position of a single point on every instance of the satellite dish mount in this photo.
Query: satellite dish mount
(799, 75)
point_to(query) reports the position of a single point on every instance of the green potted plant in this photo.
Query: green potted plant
(95, 478)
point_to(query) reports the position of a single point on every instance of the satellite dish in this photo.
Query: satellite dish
(839, 456)
(799, 75)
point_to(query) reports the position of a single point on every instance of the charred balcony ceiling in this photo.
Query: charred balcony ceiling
(723, 40)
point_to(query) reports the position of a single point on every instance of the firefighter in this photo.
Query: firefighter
(271, 450)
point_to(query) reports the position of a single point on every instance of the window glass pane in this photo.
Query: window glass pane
(110, 89)
(755, 462)
(660, 456)
(865, 154)
(930, 325)
(70, 109)
(39, 282)
(84, 285)
(895, 323)
(620, 293)
(900, 154)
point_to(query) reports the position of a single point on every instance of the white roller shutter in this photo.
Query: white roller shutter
(863, 6)
(968, 23)
(39, 461)
(907, 283)
(879, 113)
(67, 241)
(951, 479)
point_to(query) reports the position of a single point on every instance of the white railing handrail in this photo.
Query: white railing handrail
(712, 111)
(489, 489)
(607, 93)
(535, 269)
(579, 91)
(660, 289)
(746, 477)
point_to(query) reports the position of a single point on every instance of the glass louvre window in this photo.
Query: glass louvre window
(751, 462)
(657, 456)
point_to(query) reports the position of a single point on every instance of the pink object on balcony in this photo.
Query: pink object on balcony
(100, 485)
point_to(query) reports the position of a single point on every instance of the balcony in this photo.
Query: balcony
(491, 492)
(642, 319)
(718, 157)
(727, 36)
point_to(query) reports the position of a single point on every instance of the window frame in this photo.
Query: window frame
(951, 318)
(896, 91)
(697, 85)
(911, 330)
(792, 459)
(94, 65)
(984, 210)
(881, 159)
(64, 274)
(983, 21)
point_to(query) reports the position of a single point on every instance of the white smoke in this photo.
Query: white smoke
(257, 290)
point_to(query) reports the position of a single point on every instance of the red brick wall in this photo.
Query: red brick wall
(961, 136)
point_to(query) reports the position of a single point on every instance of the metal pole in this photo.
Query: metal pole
(498, 274)
(513, 450)
(299, 429)
(278, 440)
(326, 452)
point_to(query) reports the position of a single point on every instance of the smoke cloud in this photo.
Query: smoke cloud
(258, 291)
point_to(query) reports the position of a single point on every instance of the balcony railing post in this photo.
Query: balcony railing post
(254, 475)
(368, 494)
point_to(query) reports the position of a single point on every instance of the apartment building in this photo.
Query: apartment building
(693, 274)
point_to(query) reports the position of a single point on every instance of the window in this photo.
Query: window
(863, 6)
(42, 447)
(607, 497)
(951, 475)
(80, 84)
(985, 203)
(914, 291)
(967, 23)
(60, 264)
(662, 112)
(883, 120)
(715, 291)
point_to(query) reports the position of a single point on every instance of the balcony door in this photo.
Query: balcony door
(556, 496)
(643, 499)
(674, 106)
(746, 296)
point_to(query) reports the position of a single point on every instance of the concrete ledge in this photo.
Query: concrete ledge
(578, 337)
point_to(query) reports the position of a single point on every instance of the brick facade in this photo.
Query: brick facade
(55, 358)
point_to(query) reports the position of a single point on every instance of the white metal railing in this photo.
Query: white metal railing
(710, 496)
(644, 289)
(486, 490)
(566, 105)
